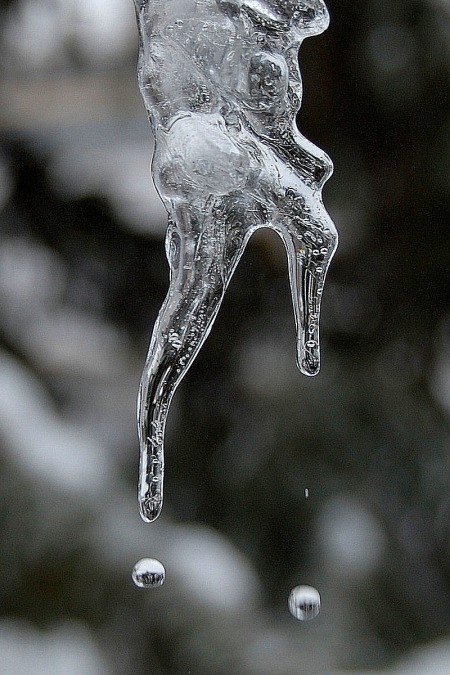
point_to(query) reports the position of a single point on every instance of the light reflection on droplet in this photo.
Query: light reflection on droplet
(148, 573)
(304, 603)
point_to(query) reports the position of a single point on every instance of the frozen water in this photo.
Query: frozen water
(221, 84)
(148, 573)
(304, 603)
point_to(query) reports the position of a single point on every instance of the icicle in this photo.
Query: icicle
(222, 87)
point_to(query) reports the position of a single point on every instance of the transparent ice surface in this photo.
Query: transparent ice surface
(221, 84)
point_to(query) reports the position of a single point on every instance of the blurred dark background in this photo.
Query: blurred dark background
(82, 276)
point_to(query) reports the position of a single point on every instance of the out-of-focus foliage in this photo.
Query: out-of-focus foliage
(82, 275)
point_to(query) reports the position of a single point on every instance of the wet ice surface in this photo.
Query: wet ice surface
(304, 603)
(222, 87)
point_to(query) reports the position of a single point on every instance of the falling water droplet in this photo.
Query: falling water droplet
(304, 603)
(148, 573)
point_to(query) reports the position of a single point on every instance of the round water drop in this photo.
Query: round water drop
(304, 603)
(148, 573)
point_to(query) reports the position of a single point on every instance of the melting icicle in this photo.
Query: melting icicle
(222, 87)
(148, 573)
(304, 603)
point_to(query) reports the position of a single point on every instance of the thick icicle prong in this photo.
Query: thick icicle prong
(201, 268)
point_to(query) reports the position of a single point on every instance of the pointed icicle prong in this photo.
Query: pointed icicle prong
(151, 473)
(150, 486)
(201, 268)
(151, 424)
(313, 269)
(307, 271)
(308, 355)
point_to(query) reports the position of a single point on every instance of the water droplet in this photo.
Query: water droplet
(148, 573)
(304, 603)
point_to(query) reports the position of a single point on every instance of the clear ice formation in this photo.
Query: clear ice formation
(221, 84)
